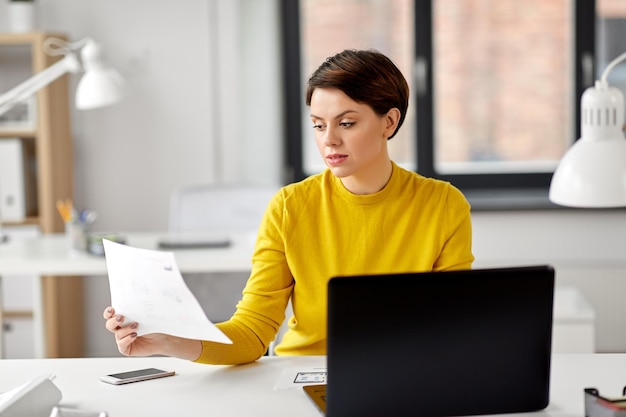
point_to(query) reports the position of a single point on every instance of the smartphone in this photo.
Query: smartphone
(70, 412)
(135, 376)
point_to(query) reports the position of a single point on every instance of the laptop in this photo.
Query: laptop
(439, 344)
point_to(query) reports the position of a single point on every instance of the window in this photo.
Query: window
(329, 26)
(610, 35)
(495, 84)
(316, 29)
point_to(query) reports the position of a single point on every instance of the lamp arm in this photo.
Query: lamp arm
(612, 65)
(38, 81)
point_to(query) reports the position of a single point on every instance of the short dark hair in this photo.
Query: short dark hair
(367, 77)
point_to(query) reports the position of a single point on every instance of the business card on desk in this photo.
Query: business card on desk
(291, 378)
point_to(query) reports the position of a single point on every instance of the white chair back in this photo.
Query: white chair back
(219, 208)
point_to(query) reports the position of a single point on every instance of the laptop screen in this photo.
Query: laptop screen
(440, 344)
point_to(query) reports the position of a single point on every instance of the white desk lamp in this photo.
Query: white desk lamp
(99, 86)
(592, 174)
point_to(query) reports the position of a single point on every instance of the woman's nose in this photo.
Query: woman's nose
(332, 137)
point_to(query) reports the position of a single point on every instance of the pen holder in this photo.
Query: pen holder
(76, 235)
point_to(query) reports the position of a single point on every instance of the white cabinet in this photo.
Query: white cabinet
(19, 304)
(574, 322)
(18, 338)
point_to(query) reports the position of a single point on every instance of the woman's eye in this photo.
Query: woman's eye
(317, 127)
(346, 124)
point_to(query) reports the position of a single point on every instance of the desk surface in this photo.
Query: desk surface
(49, 255)
(249, 390)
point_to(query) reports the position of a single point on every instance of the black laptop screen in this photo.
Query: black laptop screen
(440, 344)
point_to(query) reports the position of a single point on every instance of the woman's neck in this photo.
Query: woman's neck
(371, 181)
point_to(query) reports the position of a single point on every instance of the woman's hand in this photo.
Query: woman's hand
(129, 344)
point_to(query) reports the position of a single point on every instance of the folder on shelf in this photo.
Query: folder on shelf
(17, 180)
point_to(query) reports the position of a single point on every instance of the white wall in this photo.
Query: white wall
(179, 123)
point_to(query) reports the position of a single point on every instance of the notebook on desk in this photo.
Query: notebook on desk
(439, 344)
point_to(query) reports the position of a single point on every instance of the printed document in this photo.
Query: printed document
(147, 288)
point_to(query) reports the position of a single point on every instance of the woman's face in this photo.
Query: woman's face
(350, 136)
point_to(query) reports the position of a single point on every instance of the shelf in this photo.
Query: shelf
(26, 37)
(28, 221)
(18, 133)
(21, 314)
(61, 297)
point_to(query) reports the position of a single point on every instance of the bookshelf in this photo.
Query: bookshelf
(49, 139)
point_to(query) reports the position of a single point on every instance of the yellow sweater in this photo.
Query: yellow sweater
(316, 229)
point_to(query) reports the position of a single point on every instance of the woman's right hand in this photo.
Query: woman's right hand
(128, 343)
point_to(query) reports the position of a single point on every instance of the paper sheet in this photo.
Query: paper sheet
(147, 288)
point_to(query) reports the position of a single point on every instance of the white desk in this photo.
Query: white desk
(48, 255)
(248, 390)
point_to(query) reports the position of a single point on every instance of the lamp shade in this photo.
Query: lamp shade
(592, 174)
(100, 86)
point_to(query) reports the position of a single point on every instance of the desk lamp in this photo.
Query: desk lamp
(592, 174)
(99, 86)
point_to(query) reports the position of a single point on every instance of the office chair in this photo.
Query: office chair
(219, 208)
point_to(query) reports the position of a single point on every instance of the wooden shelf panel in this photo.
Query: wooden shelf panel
(26, 222)
(17, 133)
(17, 314)
(25, 38)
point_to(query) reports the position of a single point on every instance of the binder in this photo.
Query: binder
(17, 180)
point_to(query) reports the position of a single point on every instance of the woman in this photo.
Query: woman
(364, 214)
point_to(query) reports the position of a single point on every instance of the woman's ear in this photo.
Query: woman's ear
(391, 121)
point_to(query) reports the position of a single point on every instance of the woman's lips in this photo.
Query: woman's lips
(336, 159)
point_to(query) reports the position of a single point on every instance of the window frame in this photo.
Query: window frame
(504, 185)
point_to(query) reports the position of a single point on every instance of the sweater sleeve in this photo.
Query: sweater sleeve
(457, 249)
(261, 310)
